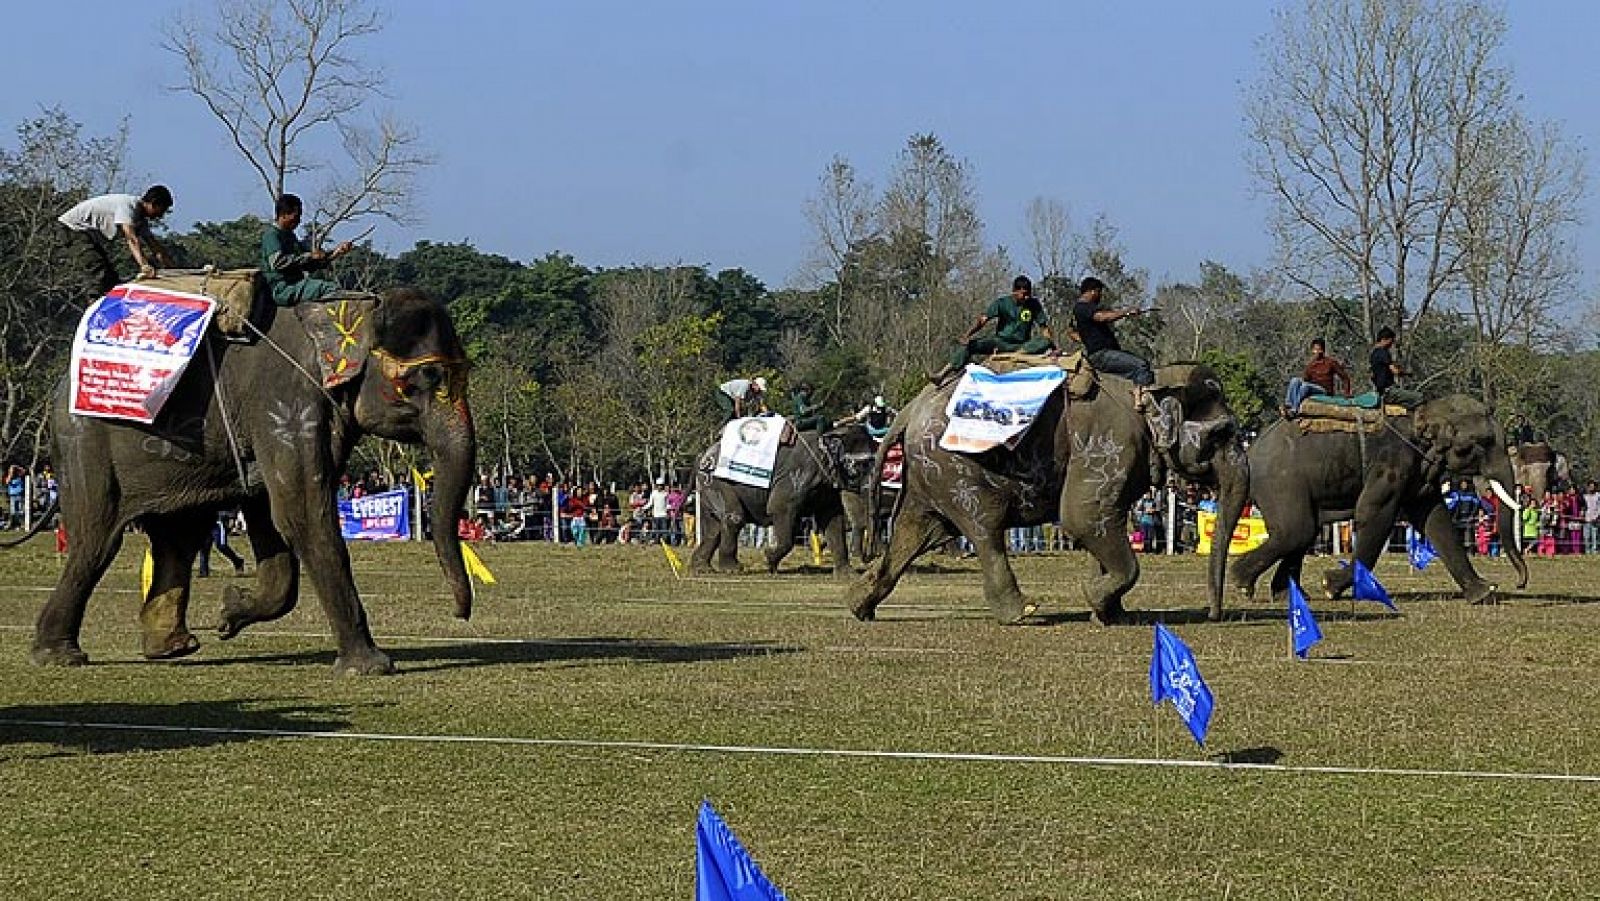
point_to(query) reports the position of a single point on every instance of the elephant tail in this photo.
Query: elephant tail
(38, 526)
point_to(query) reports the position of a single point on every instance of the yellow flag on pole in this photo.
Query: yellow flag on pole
(475, 567)
(673, 560)
(147, 575)
(420, 478)
(816, 549)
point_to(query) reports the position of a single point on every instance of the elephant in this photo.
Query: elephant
(268, 426)
(1539, 466)
(1084, 460)
(808, 479)
(1303, 480)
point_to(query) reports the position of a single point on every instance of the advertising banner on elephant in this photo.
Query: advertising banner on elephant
(894, 462)
(749, 449)
(376, 517)
(989, 409)
(1249, 534)
(131, 347)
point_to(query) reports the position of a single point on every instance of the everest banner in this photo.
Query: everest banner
(131, 348)
(376, 517)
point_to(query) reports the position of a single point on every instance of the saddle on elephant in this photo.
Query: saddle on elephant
(1362, 413)
(235, 292)
(1080, 375)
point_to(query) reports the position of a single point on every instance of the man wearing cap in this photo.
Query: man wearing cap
(660, 524)
(101, 219)
(741, 397)
(876, 416)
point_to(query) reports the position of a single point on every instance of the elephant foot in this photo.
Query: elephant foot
(1109, 613)
(66, 653)
(237, 611)
(863, 603)
(170, 647)
(367, 662)
(1483, 595)
(1012, 612)
(1335, 582)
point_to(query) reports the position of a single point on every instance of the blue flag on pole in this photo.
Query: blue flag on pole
(723, 870)
(1419, 549)
(1302, 624)
(1175, 676)
(1367, 588)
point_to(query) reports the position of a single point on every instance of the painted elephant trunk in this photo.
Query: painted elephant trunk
(454, 452)
(1233, 493)
(1507, 522)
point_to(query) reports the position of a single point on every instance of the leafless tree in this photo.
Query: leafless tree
(841, 213)
(284, 78)
(1050, 242)
(1365, 120)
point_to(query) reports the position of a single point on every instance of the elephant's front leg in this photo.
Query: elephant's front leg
(175, 539)
(1104, 535)
(1374, 520)
(1441, 532)
(916, 531)
(277, 588)
(834, 532)
(784, 521)
(304, 510)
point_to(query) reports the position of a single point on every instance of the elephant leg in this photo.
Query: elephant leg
(999, 581)
(1373, 521)
(710, 537)
(305, 513)
(835, 537)
(783, 529)
(277, 587)
(175, 540)
(1119, 571)
(728, 544)
(1288, 540)
(1289, 570)
(93, 538)
(916, 531)
(1441, 532)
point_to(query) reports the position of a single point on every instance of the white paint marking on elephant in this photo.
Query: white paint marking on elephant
(294, 423)
(1101, 457)
(856, 753)
(1192, 432)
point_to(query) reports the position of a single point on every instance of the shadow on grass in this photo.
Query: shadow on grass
(1265, 755)
(1255, 616)
(110, 728)
(503, 652)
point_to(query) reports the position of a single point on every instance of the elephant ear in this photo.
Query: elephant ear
(1433, 429)
(341, 331)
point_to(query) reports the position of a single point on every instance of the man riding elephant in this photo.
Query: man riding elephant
(1084, 460)
(807, 478)
(1015, 316)
(1309, 472)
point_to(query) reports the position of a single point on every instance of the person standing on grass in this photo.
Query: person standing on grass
(1591, 517)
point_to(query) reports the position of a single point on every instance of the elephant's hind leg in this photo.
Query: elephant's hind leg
(1000, 587)
(93, 539)
(277, 587)
(175, 539)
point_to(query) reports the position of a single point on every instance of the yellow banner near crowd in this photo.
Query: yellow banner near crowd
(1248, 535)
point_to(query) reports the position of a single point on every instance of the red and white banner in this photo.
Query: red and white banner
(131, 348)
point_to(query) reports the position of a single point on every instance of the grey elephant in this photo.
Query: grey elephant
(808, 478)
(268, 426)
(1303, 480)
(1084, 461)
(1539, 466)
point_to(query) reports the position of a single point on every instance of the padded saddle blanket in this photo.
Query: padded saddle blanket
(1318, 414)
(749, 449)
(234, 291)
(988, 409)
(1080, 375)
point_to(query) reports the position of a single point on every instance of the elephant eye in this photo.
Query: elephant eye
(427, 377)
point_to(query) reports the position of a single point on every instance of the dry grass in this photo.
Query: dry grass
(604, 645)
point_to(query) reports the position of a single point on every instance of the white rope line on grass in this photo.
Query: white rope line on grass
(758, 750)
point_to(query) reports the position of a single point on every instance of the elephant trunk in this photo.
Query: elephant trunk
(454, 450)
(1508, 522)
(1232, 470)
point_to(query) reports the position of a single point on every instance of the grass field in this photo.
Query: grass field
(602, 649)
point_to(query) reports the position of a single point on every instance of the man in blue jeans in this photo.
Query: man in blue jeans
(16, 493)
(1105, 353)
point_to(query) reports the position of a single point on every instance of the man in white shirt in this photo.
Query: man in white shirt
(101, 219)
(659, 523)
(1591, 518)
(741, 397)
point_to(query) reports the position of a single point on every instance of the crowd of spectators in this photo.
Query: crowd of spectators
(525, 508)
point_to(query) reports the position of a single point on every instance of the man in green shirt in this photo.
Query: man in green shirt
(286, 260)
(1015, 315)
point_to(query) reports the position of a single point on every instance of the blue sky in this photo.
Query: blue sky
(694, 131)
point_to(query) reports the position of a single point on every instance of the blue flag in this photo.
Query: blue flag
(1175, 676)
(1367, 588)
(1419, 549)
(723, 870)
(1302, 625)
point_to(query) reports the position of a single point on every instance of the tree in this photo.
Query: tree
(1366, 119)
(226, 245)
(841, 213)
(1050, 242)
(1194, 313)
(284, 79)
(43, 286)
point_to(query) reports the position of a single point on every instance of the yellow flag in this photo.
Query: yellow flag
(475, 566)
(816, 549)
(673, 560)
(147, 574)
(421, 478)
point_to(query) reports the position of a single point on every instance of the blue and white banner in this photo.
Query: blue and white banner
(376, 517)
(131, 348)
(988, 409)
